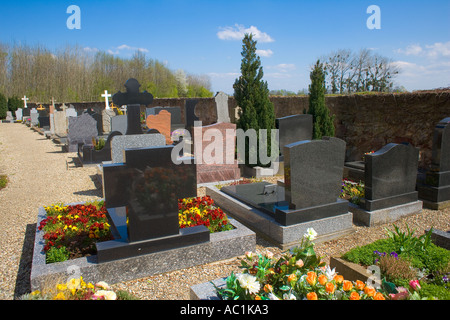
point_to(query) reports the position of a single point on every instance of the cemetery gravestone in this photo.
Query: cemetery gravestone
(119, 123)
(294, 128)
(148, 184)
(9, 117)
(161, 123)
(214, 148)
(107, 114)
(390, 176)
(434, 188)
(19, 114)
(60, 123)
(175, 116)
(34, 115)
(81, 131)
(222, 107)
(122, 142)
(133, 99)
(313, 176)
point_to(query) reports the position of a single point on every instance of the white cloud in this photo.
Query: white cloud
(264, 53)
(436, 50)
(224, 75)
(417, 76)
(238, 31)
(125, 47)
(89, 49)
(282, 67)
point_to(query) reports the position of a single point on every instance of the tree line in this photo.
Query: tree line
(72, 74)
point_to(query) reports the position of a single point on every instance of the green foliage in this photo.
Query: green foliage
(364, 255)
(14, 103)
(3, 106)
(57, 254)
(436, 291)
(3, 181)
(252, 96)
(322, 121)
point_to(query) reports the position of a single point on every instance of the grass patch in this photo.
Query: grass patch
(3, 181)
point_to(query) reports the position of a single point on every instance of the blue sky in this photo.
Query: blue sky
(204, 37)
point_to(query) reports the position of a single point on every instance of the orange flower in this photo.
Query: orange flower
(268, 288)
(347, 285)
(311, 296)
(311, 277)
(360, 285)
(370, 291)
(329, 287)
(323, 279)
(257, 297)
(378, 296)
(338, 278)
(354, 295)
(292, 277)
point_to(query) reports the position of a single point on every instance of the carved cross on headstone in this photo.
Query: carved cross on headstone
(133, 99)
(106, 95)
(25, 101)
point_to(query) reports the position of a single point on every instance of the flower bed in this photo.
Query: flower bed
(202, 211)
(298, 274)
(409, 267)
(71, 231)
(352, 191)
(78, 289)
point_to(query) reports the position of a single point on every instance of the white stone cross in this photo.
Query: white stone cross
(25, 101)
(106, 95)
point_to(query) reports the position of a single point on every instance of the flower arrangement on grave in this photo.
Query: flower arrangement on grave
(78, 289)
(410, 267)
(71, 231)
(352, 191)
(202, 211)
(98, 143)
(298, 275)
(366, 153)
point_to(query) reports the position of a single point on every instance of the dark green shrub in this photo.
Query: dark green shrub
(14, 103)
(364, 255)
(3, 106)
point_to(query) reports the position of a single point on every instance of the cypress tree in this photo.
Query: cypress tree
(322, 120)
(252, 96)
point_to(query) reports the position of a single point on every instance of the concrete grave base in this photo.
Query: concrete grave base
(222, 246)
(284, 237)
(386, 215)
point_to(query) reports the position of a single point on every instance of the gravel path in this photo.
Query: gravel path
(40, 174)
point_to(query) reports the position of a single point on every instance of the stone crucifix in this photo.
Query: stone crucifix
(106, 95)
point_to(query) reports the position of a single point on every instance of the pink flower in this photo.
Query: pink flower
(402, 294)
(415, 285)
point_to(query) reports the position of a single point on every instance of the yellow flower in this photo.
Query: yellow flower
(61, 287)
(60, 296)
(59, 217)
(35, 292)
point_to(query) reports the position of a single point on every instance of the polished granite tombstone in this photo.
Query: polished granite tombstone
(313, 174)
(390, 176)
(81, 130)
(294, 128)
(119, 123)
(161, 123)
(354, 170)
(133, 99)
(141, 196)
(189, 114)
(434, 185)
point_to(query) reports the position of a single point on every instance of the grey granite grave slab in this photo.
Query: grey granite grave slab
(223, 114)
(266, 226)
(81, 130)
(122, 142)
(222, 246)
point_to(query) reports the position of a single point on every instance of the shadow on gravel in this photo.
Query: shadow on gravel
(23, 284)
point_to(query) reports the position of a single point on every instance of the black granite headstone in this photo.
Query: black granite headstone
(133, 99)
(435, 186)
(390, 176)
(148, 184)
(189, 114)
(294, 128)
(312, 175)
